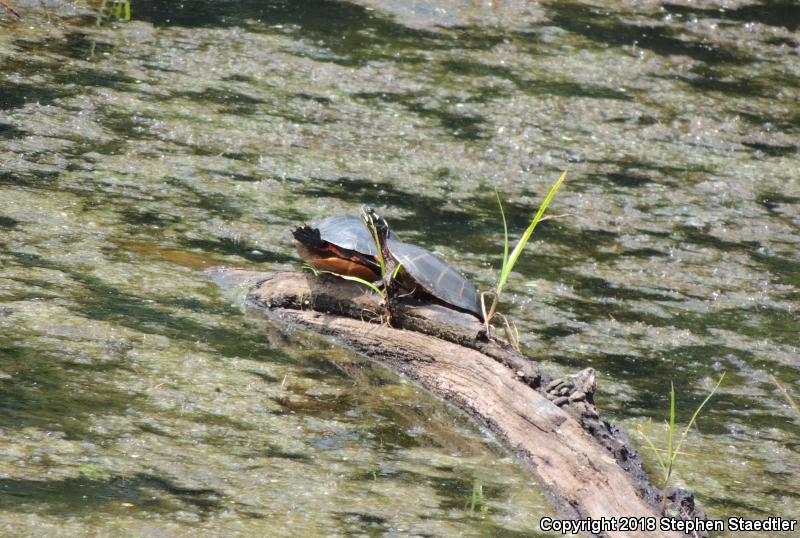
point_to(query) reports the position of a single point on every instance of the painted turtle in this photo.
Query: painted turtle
(341, 245)
(419, 269)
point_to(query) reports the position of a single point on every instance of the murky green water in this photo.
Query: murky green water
(137, 399)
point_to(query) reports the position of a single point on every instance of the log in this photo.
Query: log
(585, 466)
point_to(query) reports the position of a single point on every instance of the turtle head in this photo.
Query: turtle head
(375, 222)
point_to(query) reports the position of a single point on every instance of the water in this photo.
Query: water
(138, 398)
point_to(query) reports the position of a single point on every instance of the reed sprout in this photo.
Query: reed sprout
(509, 260)
(667, 461)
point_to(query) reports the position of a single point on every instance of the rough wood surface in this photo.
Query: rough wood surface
(583, 473)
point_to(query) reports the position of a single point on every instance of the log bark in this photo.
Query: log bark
(585, 466)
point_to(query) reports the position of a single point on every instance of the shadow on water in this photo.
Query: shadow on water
(87, 496)
(8, 223)
(7, 131)
(606, 28)
(237, 247)
(781, 13)
(533, 86)
(46, 383)
(353, 33)
(460, 126)
(153, 315)
(76, 45)
(17, 95)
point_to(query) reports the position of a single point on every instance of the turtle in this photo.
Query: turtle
(421, 271)
(341, 245)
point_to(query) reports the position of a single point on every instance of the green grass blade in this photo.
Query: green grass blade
(671, 432)
(512, 260)
(311, 268)
(661, 461)
(396, 270)
(367, 283)
(694, 416)
(374, 288)
(505, 230)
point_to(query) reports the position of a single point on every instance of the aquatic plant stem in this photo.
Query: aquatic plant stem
(509, 260)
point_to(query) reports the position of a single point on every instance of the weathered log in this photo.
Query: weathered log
(585, 466)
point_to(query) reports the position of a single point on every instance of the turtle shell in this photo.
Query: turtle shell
(341, 245)
(349, 233)
(435, 276)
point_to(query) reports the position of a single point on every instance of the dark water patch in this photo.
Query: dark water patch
(556, 331)
(315, 98)
(772, 200)
(245, 178)
(279, 453)
(708, 79)
(29, 178)
(460, 126)
(238, 77)
(127, 125)
(782, 269)
(214, 308)
(326, 406)
(565, 88)
(562, 88)
(87, 496)
(213, 202)
(265, 375)
(686, 367)
(780, 13)
(473, 68)
(733, 505)
(8, 223)
(764, 120)
(87, 78)
(349, 30)
(486, 94)
(231, 102)
(605, 27)
(148, 427)
(633, 165)
(137, 216)
(391, 435)
(17, 95)
(771, 150)
(588, 311)
(77, 45)
(362, 524)
(623, 179)
(242, 249)
(781, 41)
(216, 419)
(155, 66)
(763, 323)
(330, 405)
(644, 253)
(9, 132)
(48, 390)
(468, 38)
(701, 236)
(81, 146)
